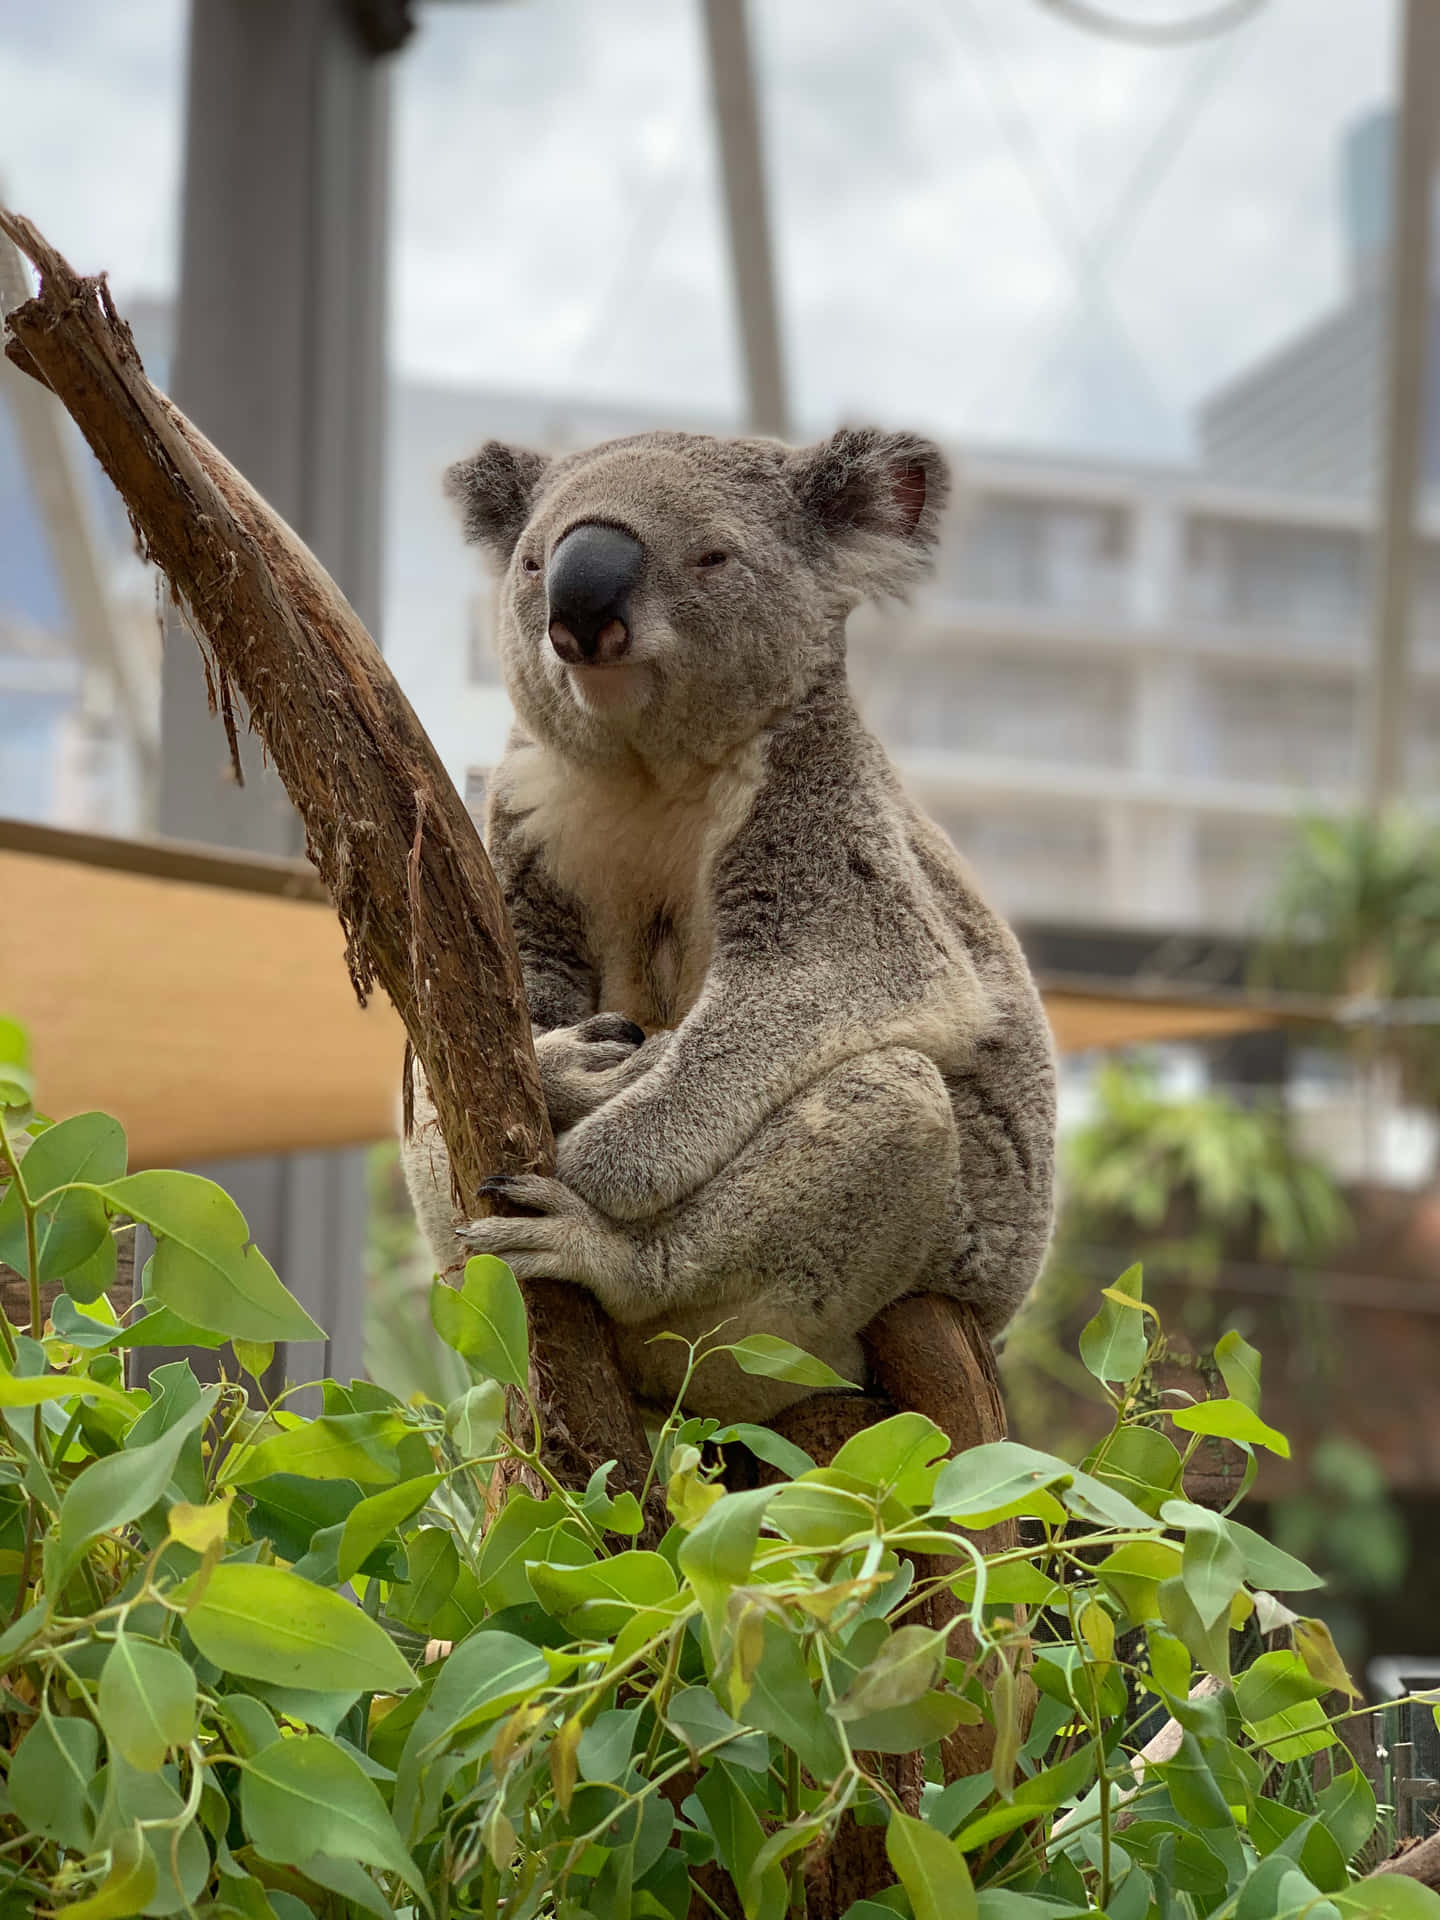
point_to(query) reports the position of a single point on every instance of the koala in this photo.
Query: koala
(796, 1066)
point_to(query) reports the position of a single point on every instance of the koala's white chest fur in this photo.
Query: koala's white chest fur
(638, 855)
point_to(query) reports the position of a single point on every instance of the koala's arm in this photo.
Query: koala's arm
(561, 980)
(577, 1047)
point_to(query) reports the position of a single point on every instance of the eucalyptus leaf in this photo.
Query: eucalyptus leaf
(207, 1269)
(266, 1623)
(484, 1320)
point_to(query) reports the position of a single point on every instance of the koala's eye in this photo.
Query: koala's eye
(530, 564)
(716, 558)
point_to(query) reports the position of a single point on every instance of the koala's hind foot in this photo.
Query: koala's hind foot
(842, 1202)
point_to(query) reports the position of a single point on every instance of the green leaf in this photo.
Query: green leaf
(157, 1326)
(1347, 1811)
(919, 1723)
(1275, 1681)
(289, 1511)
(931, 1869)
(1267, 1566)
(434, 1566)
(78, 1327)
(900, 1455)
(484, 1677)
(1141, 1464)
(1390, 1896)
(335, 1446)
(304, 1795)
(147, 1701)
(1000, 1479)
(765, 1445)
(265, 1623)
(474, 1420)
(716, 1554)
(90, 1279)
(1231, 1420)
(484, 1320)
(130, 1885)
(526, 1530)
(907, 1665)
(1293, 1732)
(1212, 1571)
(113, 1491)
(206, 1268)
(1113, 1345)
(739, 1839)
(1315, 1852)
(1239, 1365)
(17, 1085)
(822, 1508)
(1192, 1787)
(1322, 1657)
(1041, 1793)
(373, 1520)
(34, 1390)
(599, 1598)
(782, 1700)
(1104, 1505)
(347, 1878)
(607, 1743)
(699, 1719)
(50, 1775)
(1133, 1573)
(254, 1356)
(71, 1227)
(1209, 1645)
(772, 1358)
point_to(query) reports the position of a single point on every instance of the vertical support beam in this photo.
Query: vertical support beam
(742, 161)
(279, 358)
(1404, 373)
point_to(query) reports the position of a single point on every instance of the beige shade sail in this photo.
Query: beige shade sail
(202, 998)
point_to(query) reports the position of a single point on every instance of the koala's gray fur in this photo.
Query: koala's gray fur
(846, 1089)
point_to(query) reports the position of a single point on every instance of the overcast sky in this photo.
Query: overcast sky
(937, 167)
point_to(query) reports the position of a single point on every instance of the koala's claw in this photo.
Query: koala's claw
(557, 1237)
(536, 1193)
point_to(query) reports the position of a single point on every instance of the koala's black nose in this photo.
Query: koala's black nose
(588, 584)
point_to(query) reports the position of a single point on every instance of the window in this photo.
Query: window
(1247, 573)
(1047, 553)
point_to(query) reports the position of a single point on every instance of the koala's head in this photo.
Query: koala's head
(670, 594)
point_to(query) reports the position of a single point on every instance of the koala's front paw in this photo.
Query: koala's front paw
(558, 1237)
(577, 1064)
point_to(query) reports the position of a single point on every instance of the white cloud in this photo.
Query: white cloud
(557, 226)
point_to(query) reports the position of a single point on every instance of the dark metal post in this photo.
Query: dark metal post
(279, 358)
(737, 129)
(1404, 374)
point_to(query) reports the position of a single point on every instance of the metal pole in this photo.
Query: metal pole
(737, 125)
(279, 359)
(1407, 334)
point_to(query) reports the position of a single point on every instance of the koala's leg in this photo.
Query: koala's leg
(844, 1200)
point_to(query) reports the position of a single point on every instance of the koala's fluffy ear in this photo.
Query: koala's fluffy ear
(495, 491)
(876, 498)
